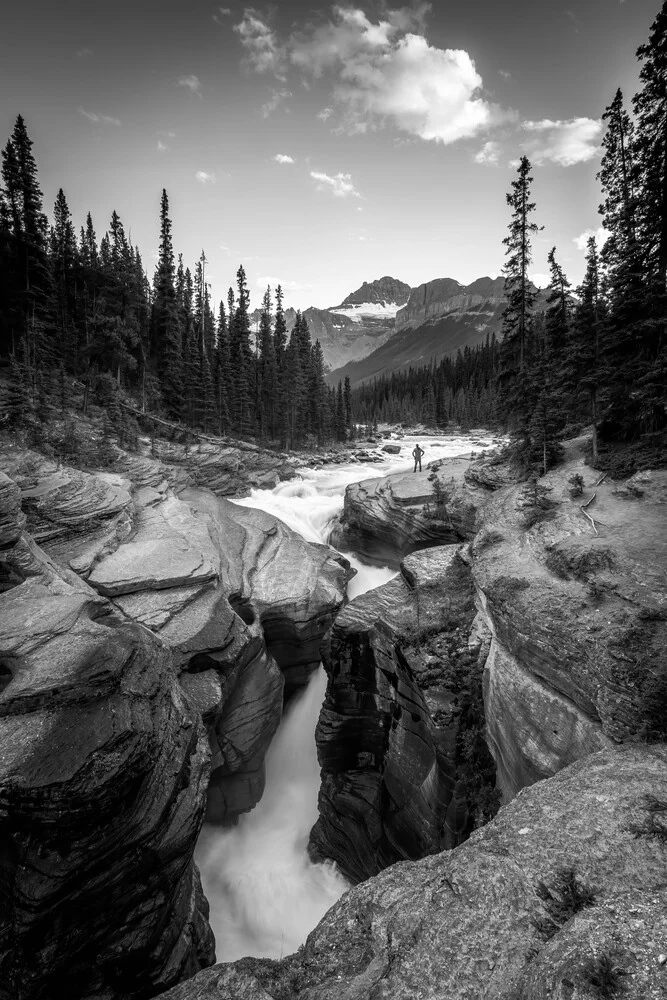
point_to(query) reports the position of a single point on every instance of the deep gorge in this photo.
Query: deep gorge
(159, 604)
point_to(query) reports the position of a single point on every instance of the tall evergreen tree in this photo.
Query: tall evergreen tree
(516, 349)
(166, 337)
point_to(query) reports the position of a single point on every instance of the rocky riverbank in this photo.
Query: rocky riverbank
(148, 630)
(142, 638)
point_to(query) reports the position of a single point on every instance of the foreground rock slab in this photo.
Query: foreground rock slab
(473, 922)
(103, 772)
(387, 518)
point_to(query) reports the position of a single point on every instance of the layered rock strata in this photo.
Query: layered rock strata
(386, 519)
(240, 599)
(476, 921)
(103, 771)
(576, 615)
(397, 659)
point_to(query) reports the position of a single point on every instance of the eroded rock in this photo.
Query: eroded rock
(465, 923)
(386, 519)
(399, 663)
(103, 771)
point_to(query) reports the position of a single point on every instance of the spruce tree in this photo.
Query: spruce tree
(516, 350)
(166, 332)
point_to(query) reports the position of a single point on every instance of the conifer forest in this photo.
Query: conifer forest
(82, 322)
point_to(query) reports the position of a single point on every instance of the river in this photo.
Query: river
(264, 892)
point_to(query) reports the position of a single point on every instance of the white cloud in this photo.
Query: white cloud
(489, 153)
(264, 53)
(563, 142)
(162, 146)
(324, 114)
(380, 73)
(506, 75)
(541, 280)
(276, 99)
(167, 135)
(287, 286)
(283, 158)
(192, 83)
(601, 235)
(204, 178)
(92, 116)
(84, 53)
(340, 185)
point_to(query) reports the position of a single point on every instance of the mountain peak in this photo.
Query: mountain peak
(385, 289)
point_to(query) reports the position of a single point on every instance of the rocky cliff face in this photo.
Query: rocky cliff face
(395, 710)
(479, 921)
(140, 650)
(443, 296)
(578, 631)
(385, 519)
(379, 291)
(103, 770)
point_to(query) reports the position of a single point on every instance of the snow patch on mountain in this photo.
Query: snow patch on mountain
(368, 310)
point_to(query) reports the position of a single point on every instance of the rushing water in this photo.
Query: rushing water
(264, 892)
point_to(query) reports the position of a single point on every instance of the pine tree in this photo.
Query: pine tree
(279, 347)
(584, 373)
(241, 360)
(30, 287)
(267, 372)
(650, 107)
(166, 333)
(221, 371)
(516, 349)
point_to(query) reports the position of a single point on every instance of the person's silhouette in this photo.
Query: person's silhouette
(417, 455)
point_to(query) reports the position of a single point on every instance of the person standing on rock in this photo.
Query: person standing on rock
(417, 455)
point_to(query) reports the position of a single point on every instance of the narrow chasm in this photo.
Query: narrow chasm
(398, 768)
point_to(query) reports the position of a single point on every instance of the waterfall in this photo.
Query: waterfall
(264, 892)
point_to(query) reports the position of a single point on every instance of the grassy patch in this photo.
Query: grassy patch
(602, 976)
(565, 897)
(654, 823)
(486, 540)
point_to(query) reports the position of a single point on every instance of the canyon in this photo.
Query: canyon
(151, 630)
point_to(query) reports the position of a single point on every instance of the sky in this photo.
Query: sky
(321, 147)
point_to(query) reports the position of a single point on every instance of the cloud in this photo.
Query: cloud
(283, 158)
(84, 53)
(324, 114)
(162, 146)
(380, 72)
(167, 135)
(489, 153)
(276, 99)
(204, 178)
(340, 185)
(92, 116)
(506, 75)
(287, 286)
(563, 142)
(192, 83)
(601, 235)
(264, 53)
(541, 280)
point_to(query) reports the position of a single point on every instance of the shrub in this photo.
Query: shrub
(576, 485)
(654, 824)
(602, 976)
(562, 900)
(486, 539)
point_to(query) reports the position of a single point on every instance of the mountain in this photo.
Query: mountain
(439, 317)
(383, 290)
(360, 324)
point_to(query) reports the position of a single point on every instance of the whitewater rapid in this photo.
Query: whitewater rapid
(265, 894)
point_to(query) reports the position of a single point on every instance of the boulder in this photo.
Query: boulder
(493, 918)
(103, 772)
(391, 449)
(395, 782)
(386, 519)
